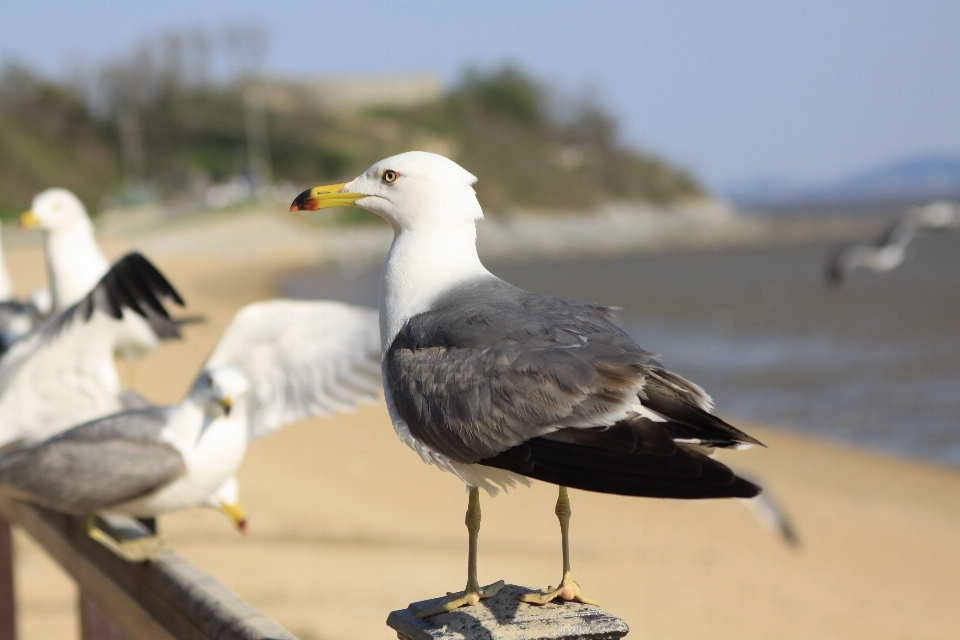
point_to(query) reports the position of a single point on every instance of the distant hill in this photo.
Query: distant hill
(185, 136)
(911, 179)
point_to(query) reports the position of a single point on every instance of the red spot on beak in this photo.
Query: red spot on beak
(304, 202)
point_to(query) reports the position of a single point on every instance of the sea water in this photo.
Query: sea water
(874, 363)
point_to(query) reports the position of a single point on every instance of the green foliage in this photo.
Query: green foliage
(504, 94)
(498, 124)
(48, 138)
(524, 156)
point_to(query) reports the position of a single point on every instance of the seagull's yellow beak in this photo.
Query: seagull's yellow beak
(28, 220)
(236, 514)
(331, 195)
(227, 404)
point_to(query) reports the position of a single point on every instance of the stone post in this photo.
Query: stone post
(504, 617)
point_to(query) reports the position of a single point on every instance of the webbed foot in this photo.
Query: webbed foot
(568, 590)
(463, 599)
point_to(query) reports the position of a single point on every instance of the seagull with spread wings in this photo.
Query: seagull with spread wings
(63, 373)
(278, 361)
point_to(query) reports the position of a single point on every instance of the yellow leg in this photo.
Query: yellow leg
(132, 550)
(473, 592)
(568, 589)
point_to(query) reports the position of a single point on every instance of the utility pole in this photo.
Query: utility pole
(258, 149)
(131, 146)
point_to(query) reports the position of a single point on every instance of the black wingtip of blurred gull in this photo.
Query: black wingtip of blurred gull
(133, 283)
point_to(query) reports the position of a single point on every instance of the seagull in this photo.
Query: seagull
(63, 373)
(497, 385)
(75, 263)
(277, 362)
(17, 319)
(889, 251)
(140, 462)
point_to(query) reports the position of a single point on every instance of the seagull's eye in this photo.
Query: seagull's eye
(390, 176)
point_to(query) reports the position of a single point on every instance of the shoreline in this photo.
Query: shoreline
(519, 236)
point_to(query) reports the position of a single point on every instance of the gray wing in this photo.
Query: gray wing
(96, 465)
(302, 358)
(938, 215)
(494, 367)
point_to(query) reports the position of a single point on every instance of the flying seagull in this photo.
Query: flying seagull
(75, 264)
(277, 362)
(63, 373)
(496, 384)
(889, 250)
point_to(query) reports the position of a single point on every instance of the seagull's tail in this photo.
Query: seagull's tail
(620, 460)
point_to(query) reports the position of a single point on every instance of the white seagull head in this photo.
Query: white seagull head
(413, 190)
(56, 210)
(220, 389)
(228, 386)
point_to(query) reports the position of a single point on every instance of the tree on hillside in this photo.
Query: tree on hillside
(175, 116)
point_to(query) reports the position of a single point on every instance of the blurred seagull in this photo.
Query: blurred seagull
(75, 264)
(496, 384)
(889, 251)
(17, 319)
(277, 362)
(63, 373)
(142, 462)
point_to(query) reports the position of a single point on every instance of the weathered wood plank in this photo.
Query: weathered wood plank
(94, 625)
(8, 619)
(164, 599)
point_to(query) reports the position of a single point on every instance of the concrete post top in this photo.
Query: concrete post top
(504, 617)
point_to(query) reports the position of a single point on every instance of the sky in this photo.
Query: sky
(735, 91)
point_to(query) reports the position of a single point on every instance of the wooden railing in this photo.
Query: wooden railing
(166, 599)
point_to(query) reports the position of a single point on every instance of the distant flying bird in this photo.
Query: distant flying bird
(75, 263)
(889, 250)
(63, 373)
(279, 361)
(496, 384)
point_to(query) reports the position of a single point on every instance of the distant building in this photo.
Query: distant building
(354, 92)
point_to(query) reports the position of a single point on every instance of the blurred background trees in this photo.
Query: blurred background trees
(189, 120)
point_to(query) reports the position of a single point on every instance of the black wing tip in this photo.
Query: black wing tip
(197, 319)
(132, 282)
(142, 266)
(738, 488)
(743, 488)
(608, 466)
(748, 439)
(834, 274)
(833, 277)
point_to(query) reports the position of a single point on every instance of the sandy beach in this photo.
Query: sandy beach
(347, 524)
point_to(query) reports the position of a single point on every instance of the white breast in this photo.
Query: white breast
(210, 461)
